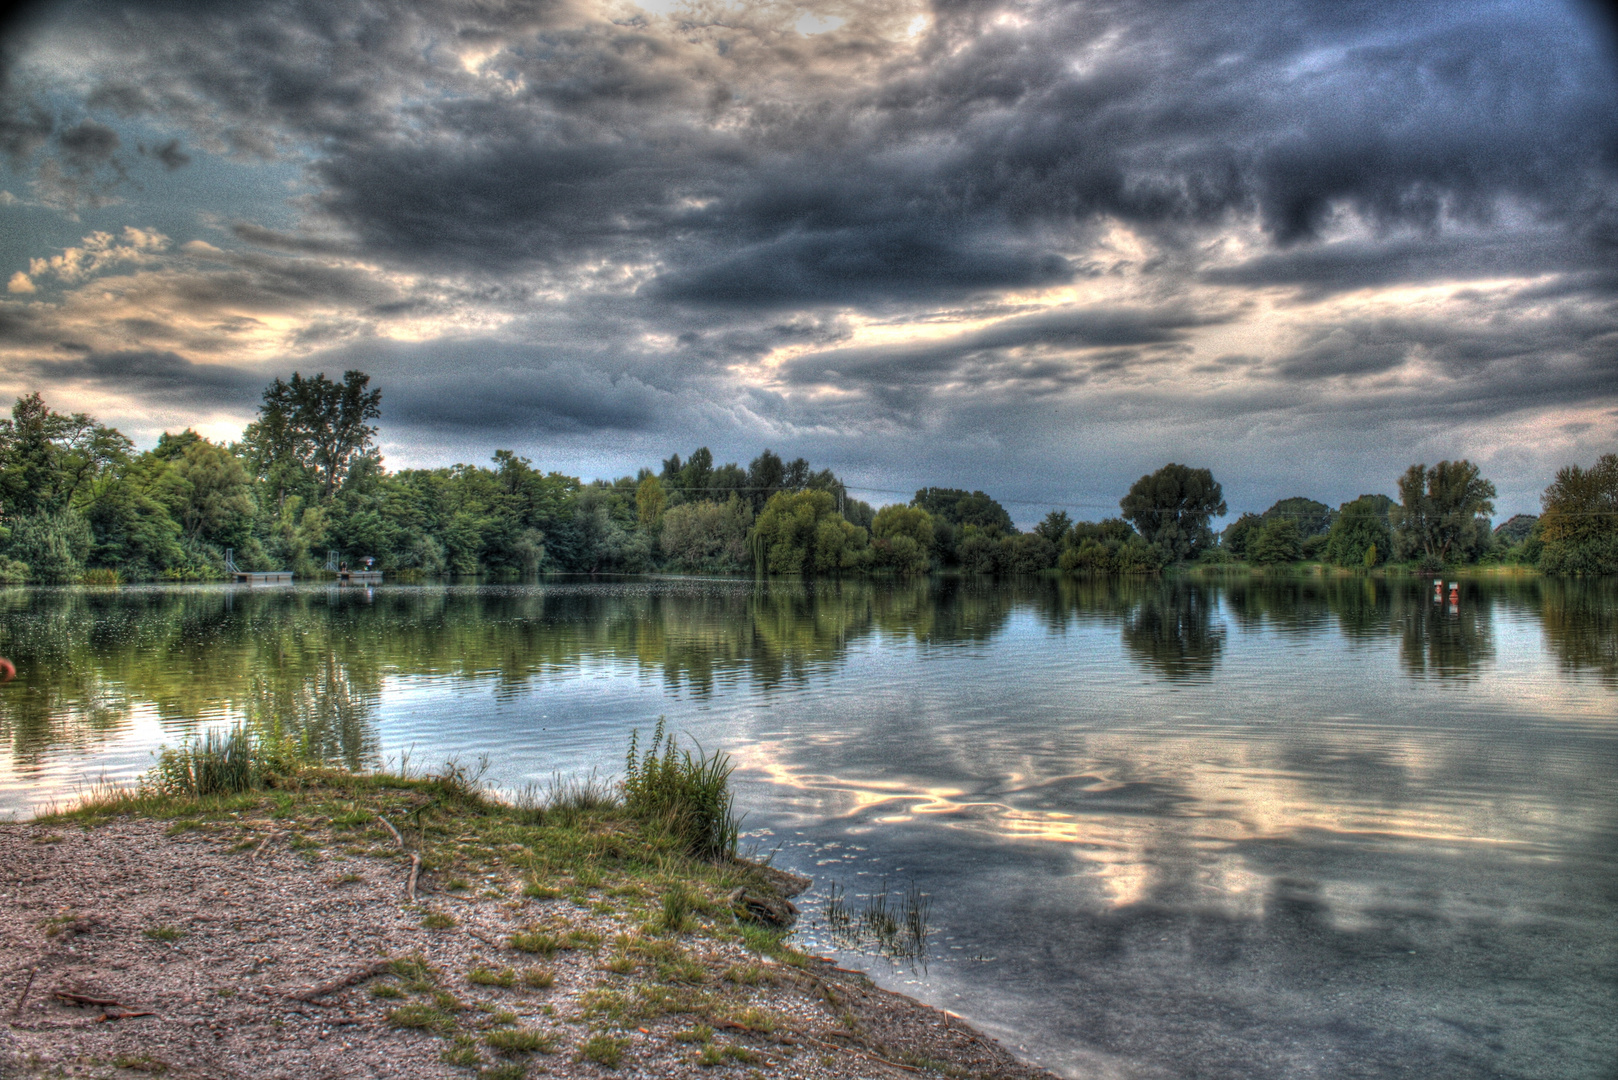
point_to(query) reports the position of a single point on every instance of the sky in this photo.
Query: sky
(1038, 248)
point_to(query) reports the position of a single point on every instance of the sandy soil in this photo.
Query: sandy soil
(188, 954)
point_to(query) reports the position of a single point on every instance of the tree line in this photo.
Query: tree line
(78, 503)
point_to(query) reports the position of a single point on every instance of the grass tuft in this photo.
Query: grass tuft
(521, 1041)
(686, 795)
(604, 1049)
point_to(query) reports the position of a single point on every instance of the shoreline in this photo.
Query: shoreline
(273, 933)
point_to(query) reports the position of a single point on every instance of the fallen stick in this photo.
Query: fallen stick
(16, 1010)
(353, 978)
(415, 868)
(262, 844)
(397, 839)
(85, 999)
(861, 1053)
(125, 1014)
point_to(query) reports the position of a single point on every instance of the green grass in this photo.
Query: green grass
(384, 991)
(485, 976)
(438, 920)
(686, 795)
(164, 933)
(604, 1049)
(420, 1016)
(535, 941)
(538, 978)
(521, 1041)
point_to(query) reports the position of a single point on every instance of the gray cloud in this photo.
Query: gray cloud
(607, 229)
(158, 374)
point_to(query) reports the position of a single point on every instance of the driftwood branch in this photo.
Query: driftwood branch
(353, 978)
(415, 868)
(16, 1010)
(262, 844)
(85, 999)
(397, 839)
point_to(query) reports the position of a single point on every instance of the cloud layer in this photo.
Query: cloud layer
(1038, 247)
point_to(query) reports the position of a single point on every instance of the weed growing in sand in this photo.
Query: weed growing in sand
(521, 1041)
(164, 933)
(485, 976)
(506, 1070)
(698, 1033)
(538, 978)
(384, 991)
(535, 941)
(422, 1017)
(619, 964)
(604, 1049)
(438, 920)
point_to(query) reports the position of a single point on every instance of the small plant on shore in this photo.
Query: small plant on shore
(438, 920)
(164, 933)
(484, 976)
(604, 1049)
(420, 1016)
(538, 978)
(220, 763)
(521, 1041)
(534, 941)
(686, 795)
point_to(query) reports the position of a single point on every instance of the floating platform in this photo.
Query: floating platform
(360, 577)
(264, 577)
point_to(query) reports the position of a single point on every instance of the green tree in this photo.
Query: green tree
(1361, 526)
(47, 458)
(53, 544)
(309, 431)
(1579, 528)
(902, 539)
(1277, 541)
(708, 535)
(962, 508)
(1055, 526)
(1172, 508)
(650, 501)
(1239, 533)
(1442, 512)
(802, 532)
(1313, 518)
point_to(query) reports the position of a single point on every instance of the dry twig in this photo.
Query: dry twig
(353, 978)
(16, 1010)
(85, 999)
(415, 868)
(397, 839)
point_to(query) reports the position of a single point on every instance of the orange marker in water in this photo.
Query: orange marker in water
(8, 670)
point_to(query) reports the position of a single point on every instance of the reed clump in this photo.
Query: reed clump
(221, 763)
(686, 795)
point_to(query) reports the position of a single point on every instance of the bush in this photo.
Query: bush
(54, 546)
(687, 795)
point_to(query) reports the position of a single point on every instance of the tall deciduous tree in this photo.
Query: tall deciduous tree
(1173, 506)
(1579, 528)
(309, 431)
(1441, 511)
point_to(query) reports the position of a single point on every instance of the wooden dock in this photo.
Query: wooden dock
(359, 577)
(264, 577)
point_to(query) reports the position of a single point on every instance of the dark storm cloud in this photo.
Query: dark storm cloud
(648, 209)
(919, 176)
(499, 387)
(158, 374)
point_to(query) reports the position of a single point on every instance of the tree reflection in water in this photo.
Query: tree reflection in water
(311, 662)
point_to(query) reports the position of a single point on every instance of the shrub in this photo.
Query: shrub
(686, 794)
(217, 764)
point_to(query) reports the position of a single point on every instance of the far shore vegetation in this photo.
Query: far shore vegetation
(305, 485)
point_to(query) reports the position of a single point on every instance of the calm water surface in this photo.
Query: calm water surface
(1167, 829)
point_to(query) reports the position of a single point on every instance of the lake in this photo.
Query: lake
(1212, 828)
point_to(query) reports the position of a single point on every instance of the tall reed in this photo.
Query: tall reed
(687, 795)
